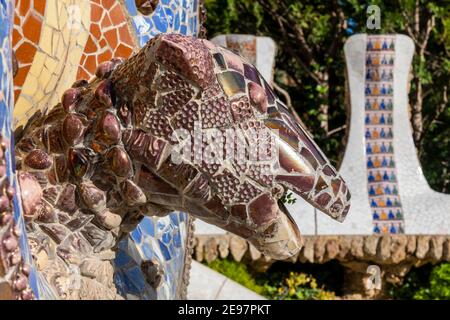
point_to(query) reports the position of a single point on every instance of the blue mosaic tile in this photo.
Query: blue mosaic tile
(149, 226)
(136, 234)
(147, 250)
(165, 251)
(122, 259)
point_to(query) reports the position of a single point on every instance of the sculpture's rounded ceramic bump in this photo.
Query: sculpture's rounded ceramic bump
(26, 269)
(258, 96)
(16, 231)
(10, 192)
(132, 193)
(109, 129)
(69, 98)
(93, 197)
(73, 129)
(4, 203)
(20, 283)
(6, 219)
(78, 162)
(27, 294)
(10, 243)
(104, 93)
(31, 194)
(119, 162)
(15, 258)
(38, 159)
(104, 69)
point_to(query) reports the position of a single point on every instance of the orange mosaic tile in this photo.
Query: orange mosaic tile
(109, 37)
(28, 18)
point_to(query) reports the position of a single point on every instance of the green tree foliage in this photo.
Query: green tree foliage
(439, 285)
(276, 285)
(425, 283)
(310, 64)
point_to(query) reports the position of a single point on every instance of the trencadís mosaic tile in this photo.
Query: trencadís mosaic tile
(384, 198)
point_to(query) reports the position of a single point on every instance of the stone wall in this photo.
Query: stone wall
(395, 255)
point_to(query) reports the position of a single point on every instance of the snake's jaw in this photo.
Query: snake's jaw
(281, 238)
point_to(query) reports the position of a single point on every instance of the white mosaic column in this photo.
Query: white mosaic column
(419, 209)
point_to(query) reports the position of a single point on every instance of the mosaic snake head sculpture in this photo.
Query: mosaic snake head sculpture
(241, 148)
(181, 125)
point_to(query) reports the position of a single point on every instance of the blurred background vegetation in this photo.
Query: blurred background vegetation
(310, 65)
(286, 281)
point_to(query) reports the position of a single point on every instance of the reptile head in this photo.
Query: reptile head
(208, 136)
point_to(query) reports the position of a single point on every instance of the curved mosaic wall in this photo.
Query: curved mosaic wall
(390, 194)
(59, 41)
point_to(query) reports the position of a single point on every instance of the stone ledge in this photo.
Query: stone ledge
(384, 250)
(395, 255)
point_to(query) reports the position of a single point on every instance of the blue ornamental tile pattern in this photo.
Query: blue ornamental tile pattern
(170, 16)
(37, 283)
(383, 192)
(162, 240)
